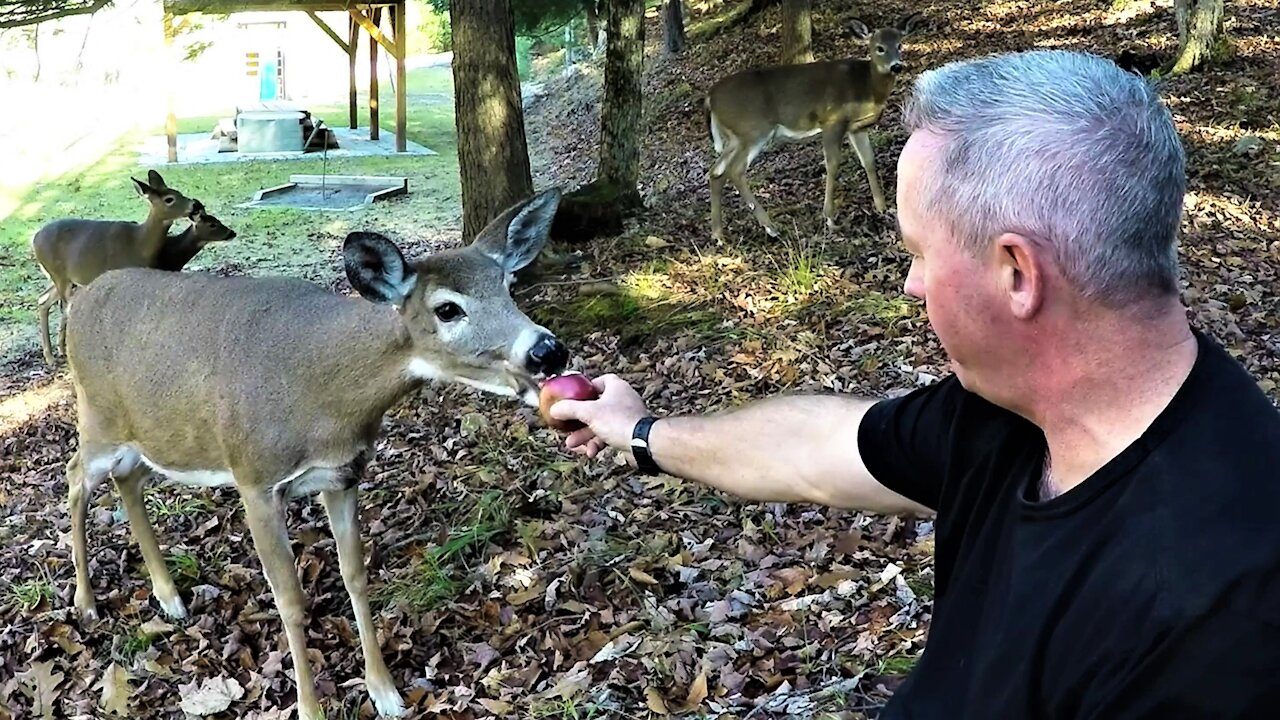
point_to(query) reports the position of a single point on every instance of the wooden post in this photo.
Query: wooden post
(171, 119)
(400, 27)
(354, 37)
(373, 79)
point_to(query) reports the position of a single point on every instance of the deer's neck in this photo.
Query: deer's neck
(154, 231)
(364, 354)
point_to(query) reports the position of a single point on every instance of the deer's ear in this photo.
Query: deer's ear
(860, 29)
(516, 237)
(143, 189)
(156, 182)
(909, 23)
(377, 269)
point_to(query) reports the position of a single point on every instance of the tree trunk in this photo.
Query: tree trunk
(673, 27)
(1199, 26)
(493, 159)
(797, 31)
(593, 25)
(621, 114)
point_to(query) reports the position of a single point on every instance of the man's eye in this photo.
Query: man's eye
(449, 312)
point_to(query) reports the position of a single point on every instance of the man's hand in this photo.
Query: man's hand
(609, 418)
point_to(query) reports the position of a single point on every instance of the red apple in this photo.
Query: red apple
(569, 386)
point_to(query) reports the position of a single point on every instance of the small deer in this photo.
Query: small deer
(836, 99)
(74, 251)
(180, 249)
(278, 386)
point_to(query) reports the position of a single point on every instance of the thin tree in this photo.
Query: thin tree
(673, 27)
(797, 31)
(621, 114)
(493, 158)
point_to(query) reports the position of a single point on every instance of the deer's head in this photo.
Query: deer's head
(884, 44)
(457, 305)
(208, 228)
(166, 203)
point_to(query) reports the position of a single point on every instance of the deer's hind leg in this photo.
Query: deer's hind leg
(46, 301)
(737, 171)
(89, 466)
(130, 486)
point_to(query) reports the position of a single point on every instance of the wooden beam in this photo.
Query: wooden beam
(372, 27)
(400, 28)
(329, 31)
(171, 119)
(374, 128)
(354, 111)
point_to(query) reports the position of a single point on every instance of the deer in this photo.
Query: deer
(835, 99)
(74, 251)
(277, 386)
(180, 249)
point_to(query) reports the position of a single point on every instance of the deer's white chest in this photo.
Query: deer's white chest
(197, 478)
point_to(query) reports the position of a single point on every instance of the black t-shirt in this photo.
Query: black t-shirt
(1150, 590)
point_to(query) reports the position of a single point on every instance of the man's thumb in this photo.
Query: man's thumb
(570, 410)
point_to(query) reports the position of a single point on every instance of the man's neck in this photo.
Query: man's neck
(1103, 392)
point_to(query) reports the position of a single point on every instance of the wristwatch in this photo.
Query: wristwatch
(640, 446)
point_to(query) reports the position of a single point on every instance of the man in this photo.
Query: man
(1106, 479)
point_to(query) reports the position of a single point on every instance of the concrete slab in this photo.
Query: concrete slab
(199, 148)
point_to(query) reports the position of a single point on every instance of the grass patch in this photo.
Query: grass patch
(29, 594)
(896, 665)
(881, 308)
(184, 568)
(162, 505)
(436, 578)
(127, 647)
(270, 240)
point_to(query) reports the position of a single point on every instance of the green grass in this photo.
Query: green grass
(270, 241)
(184, 568)
(437, 578)
(29, 594)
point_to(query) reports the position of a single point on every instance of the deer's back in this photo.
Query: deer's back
(799, 97)
(80, 250)
(199, 370)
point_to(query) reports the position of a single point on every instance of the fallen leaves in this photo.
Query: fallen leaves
(115, 689)
(212, 696)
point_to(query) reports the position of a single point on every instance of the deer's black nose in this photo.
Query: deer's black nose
(548, 356)
(896, 68)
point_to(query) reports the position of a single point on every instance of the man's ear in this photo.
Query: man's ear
(377, 269)
(1022, 273)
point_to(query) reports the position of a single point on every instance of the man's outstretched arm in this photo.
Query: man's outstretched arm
(799, 448)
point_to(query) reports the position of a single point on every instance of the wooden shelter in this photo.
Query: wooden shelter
(364, 15)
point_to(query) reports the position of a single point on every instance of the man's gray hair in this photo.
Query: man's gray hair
(1067, 149)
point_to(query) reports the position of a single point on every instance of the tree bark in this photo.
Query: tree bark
(593, 25)
(1199, 25)
(493, 158)
(621, 115)
(673, 27)
(797, 31)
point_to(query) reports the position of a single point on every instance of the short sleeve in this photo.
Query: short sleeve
(905, 441)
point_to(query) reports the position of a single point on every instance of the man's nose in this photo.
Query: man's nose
(914, 285)
(548, 356)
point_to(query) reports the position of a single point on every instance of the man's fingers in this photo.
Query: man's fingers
(579, 437)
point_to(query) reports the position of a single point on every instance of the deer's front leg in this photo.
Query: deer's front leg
(342, 507)
(832, 139)
(264, 511)
(861, 142)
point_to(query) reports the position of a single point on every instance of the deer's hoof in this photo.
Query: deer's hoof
(772, 231)
(386, 700)
(173, 606)
(87, 609)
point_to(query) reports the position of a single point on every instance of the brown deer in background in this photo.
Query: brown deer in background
(180, 249)
(278, 386)
(837, 99)
(74, 251)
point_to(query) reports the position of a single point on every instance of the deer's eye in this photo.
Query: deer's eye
(449, 312)
(880, 49)
(168, 200)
